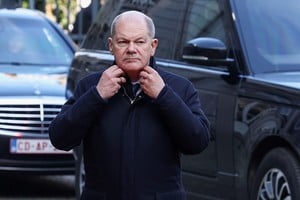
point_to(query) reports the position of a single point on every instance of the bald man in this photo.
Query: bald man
(134, 119)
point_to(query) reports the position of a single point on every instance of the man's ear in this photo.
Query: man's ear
(154, 45)
(110, 46)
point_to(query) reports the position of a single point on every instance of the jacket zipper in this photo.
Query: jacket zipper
(136, 98)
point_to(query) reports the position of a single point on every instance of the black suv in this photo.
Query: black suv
(244, 58)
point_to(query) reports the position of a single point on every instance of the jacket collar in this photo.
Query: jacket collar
(127, 87)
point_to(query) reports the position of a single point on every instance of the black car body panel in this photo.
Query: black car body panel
(248, 80)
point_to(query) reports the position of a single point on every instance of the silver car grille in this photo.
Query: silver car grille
(28, 115)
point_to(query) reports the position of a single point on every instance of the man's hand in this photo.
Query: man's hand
(151, 82)
(110, 82)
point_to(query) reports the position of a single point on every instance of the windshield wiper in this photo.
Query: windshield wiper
(22, 63)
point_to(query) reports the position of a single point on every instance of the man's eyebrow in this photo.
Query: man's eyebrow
(125, 38)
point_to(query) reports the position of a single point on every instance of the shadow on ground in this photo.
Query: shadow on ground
(28, 186)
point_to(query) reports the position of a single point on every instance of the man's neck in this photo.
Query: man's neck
(134, 77)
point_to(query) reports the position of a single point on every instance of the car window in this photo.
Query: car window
(168, 16)
(176, 23)
(273, 44)
(33, 42)
(204, 19)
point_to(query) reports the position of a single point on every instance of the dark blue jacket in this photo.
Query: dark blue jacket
(132, 149)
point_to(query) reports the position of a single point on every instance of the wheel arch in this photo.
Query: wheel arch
(265, 146)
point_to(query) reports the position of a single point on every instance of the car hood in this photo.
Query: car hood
(32, 81)
(290, 79)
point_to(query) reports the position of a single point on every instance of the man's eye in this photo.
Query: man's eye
(140, 42)
(122, 42)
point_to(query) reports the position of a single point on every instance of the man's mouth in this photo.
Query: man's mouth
(131, 59)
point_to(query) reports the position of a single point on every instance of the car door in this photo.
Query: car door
(213, 169)
(178, 22)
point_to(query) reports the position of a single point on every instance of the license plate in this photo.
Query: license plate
(34, 146)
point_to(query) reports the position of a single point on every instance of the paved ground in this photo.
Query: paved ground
(36, 187)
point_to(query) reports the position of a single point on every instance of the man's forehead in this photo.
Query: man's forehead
(131, 35)
(134, 19)
(131, 29)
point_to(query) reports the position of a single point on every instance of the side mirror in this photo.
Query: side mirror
(206, 51)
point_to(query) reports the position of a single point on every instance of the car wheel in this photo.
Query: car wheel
(277, 177)
(79, 176)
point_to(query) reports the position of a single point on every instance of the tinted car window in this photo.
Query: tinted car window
(31, 41)
(167, 15)
(202, 19)
(270, 49)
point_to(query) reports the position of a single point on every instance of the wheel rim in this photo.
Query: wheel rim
(274, 186)
(81, 176)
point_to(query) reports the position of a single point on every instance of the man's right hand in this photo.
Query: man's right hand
(110, 82)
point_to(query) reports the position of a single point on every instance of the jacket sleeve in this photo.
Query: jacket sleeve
(76, 117)
(183, 115)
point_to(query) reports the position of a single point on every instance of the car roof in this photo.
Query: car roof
(31, 16)
(21, 13)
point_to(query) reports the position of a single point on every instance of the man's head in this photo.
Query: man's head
(132, 41)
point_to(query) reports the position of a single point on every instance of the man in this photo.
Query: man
(132, 141)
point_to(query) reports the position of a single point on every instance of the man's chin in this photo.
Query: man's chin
(132, 67)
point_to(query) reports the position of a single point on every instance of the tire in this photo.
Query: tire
(79, 174)
(277, 177)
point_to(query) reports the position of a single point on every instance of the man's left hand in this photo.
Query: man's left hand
(151, 82)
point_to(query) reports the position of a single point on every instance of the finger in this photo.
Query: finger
(122, 79)
(144, 74)
(109, 72)
(148, 70)
(117, 71)
(142, 80)
(115, 89)
(112, 68)
(119, 80)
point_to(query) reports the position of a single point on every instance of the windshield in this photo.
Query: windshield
(30, 41)
(271, 34)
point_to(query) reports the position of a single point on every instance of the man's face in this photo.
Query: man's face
(131, 45)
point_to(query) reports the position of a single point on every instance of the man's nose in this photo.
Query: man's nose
(131, 47)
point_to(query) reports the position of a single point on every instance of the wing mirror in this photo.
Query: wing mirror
(206, 51)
